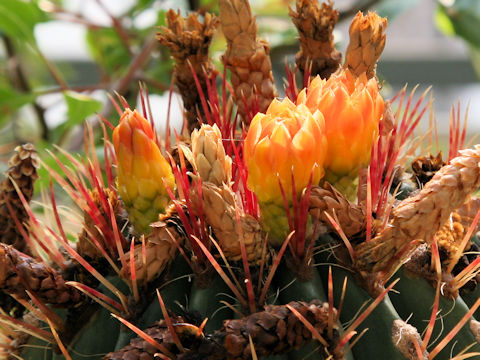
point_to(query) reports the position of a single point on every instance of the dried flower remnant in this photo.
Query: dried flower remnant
(276, 330)
(367, 40)
(231, 225)
(286, 144)
(142, 171)
(248, 59)
(315, 23)
(188, 41)
(351, 217)
(425, 167)
(419, 217)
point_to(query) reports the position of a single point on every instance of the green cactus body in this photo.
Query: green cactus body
(37, 349)
(414, 301)
(470, 297)
(377, 341)
(293, 289)
(207, 302)
(101, 325)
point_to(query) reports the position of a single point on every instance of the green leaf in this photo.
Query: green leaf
(108, 50)
(18, 18)
(464, 16)
(475, 56)
(11, 100)
(443, 22)
(80, 106)
(392, 8)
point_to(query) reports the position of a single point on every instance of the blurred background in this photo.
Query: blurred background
(60, 59)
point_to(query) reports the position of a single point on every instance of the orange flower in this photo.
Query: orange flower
(352, 108)
(287, 140)
(141, 170)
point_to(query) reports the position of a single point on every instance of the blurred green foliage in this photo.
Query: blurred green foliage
(461, 18)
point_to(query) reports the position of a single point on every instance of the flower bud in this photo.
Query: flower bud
(142, 171)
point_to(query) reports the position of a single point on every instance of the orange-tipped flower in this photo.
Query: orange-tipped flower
(352, 108)
(287, 140)
(142, 171)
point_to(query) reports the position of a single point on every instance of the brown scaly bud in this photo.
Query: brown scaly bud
(276, 330)
(367, 40)
(208, 156)
(419, 217)
(424, 167)
(23, 171)
(247, 58)
(160, 248)
(351, 217)
(315, 23)
(188, 41)
(20, 272)
(404, 337)
(86, 246)
(220, 209)
(139, 349)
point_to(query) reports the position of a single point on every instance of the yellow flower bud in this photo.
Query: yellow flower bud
(141, 171)
(286, 141)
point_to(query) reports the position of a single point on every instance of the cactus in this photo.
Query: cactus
(245, 242)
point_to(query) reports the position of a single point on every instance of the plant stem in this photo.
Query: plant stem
(20, 83)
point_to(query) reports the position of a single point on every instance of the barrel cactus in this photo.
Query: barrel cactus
(300, 231)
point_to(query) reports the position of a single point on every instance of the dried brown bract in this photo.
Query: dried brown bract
(188, 40)
(315, 23)
(248, 59)
(351, 217)
(20, 272)
(160, 247)
(230, 224)
(419, 217)
(424, 167)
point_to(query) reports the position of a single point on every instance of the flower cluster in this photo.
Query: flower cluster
(329, 131)
(352, 108)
